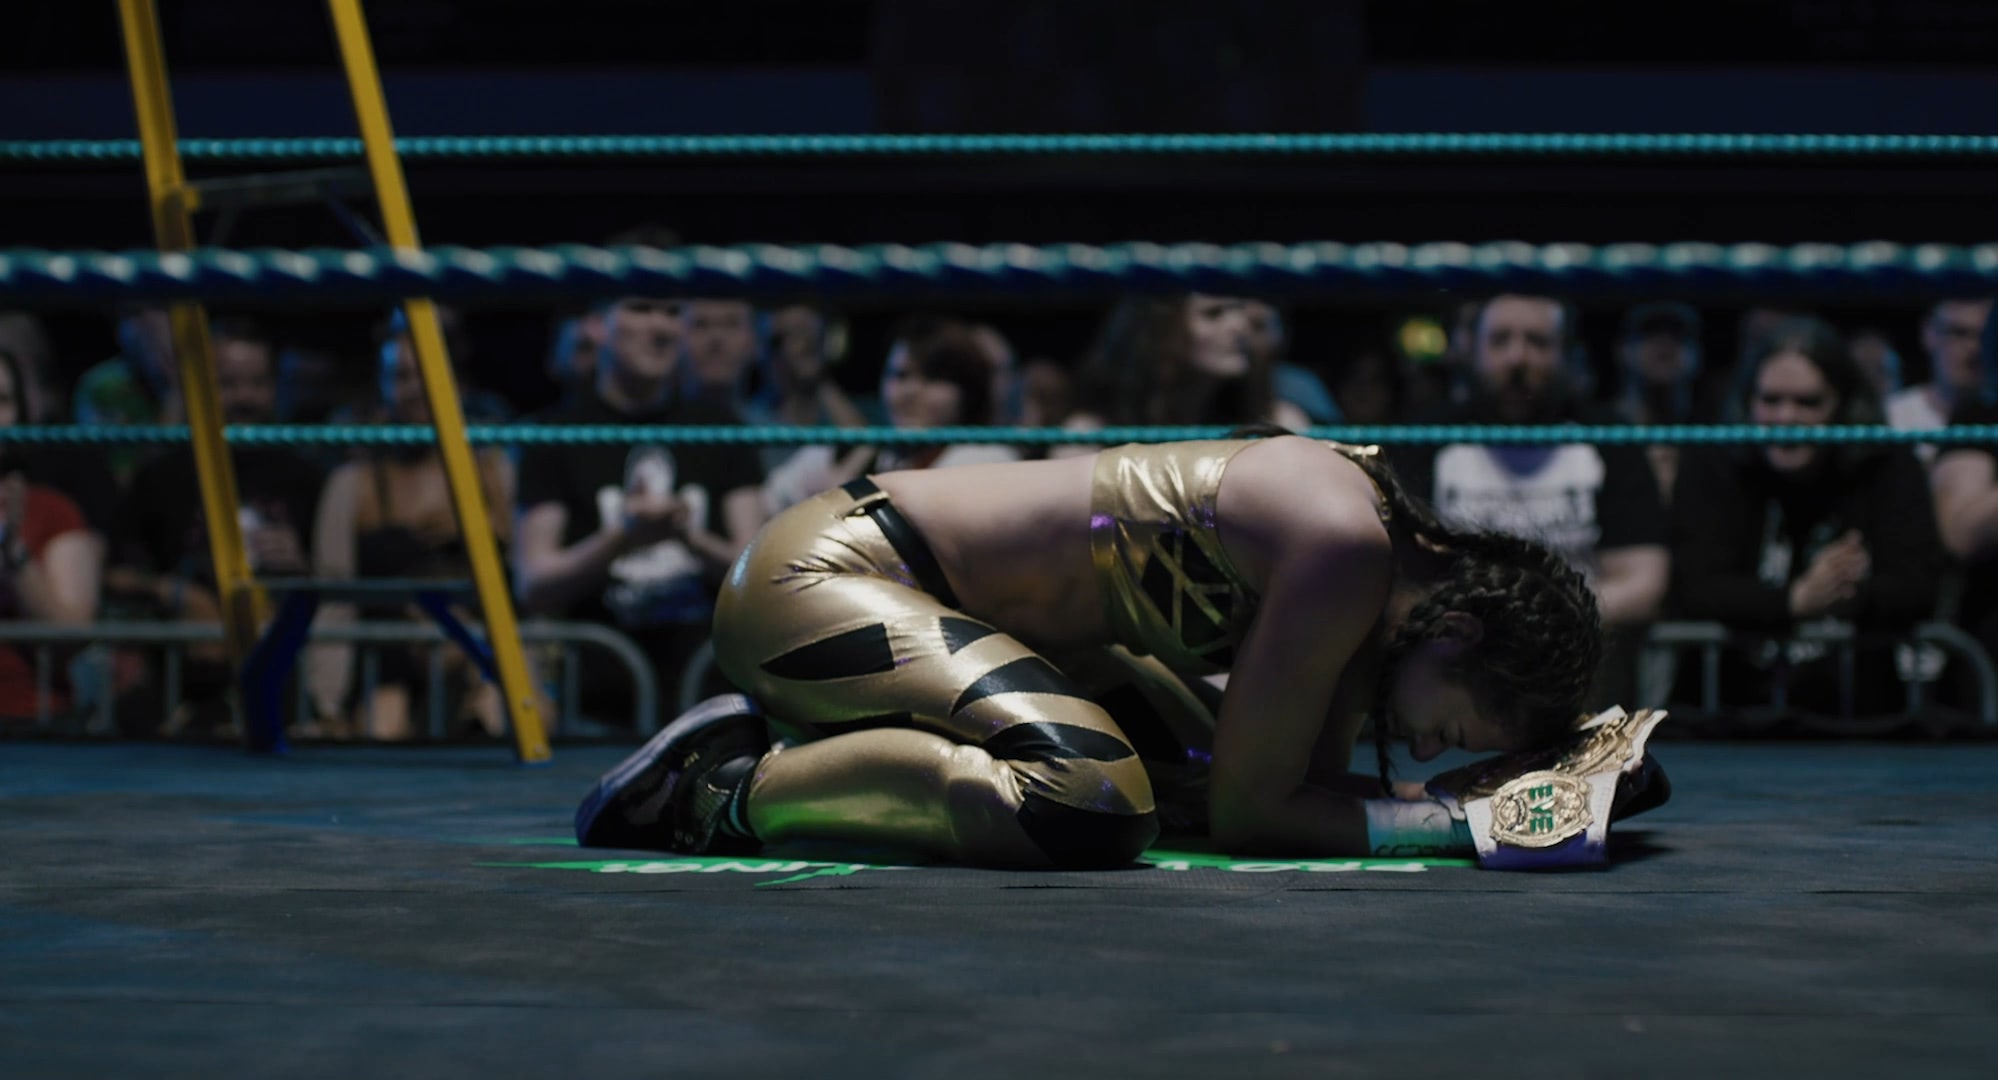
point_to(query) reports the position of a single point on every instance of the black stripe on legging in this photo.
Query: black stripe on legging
(1039, 741)
(957, 633)
(1027, 675)
(1076, 839)
(862, 651)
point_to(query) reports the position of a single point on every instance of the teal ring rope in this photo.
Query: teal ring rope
(894, 272)
(756, 435)
(1295, 144)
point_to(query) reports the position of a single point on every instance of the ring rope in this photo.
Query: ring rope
(1333, 144)
(1874, 269)
(774, 435)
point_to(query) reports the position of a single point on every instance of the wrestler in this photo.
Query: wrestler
(937, 651)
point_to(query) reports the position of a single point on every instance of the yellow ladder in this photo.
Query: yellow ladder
(173, 203)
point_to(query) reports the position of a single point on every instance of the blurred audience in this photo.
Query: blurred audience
(796, 386)
(637, 537)
(1950, 333)
(719, 350)
(388, 514)
(1371, 389)
(1767, 539)
(1177, 360)
(161, 563)
(937, 376)
(1598, 506)
(50, 562)
(1965, 480)
(1658, 357)
(1268, 343)
(1878, 359)
(140, 385)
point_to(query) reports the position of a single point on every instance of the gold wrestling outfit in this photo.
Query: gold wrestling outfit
(919, 726)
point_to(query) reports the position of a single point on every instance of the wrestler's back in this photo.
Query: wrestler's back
(1013, 539)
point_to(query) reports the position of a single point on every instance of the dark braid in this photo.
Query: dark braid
(1543, 636)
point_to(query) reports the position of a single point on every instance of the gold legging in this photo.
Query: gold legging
(916, 726)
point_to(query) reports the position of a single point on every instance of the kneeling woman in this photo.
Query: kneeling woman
(934, 648)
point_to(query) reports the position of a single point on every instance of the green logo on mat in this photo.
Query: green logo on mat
(790, 870)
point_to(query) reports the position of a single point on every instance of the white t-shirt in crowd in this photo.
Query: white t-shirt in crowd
(1915, 409)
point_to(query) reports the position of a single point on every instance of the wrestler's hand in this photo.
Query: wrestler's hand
(653, 519)
(1411, 790)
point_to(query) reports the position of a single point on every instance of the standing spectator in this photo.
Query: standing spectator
(1659, 360)
(797, 384)
(720, 348)
(22, 334)
(1597, 506)
(1878, 360)
(389, 514)
(635, 536)
(1047, 393)
(1177, 360)
(1268, 343)
(159, 551)
(940, 380)
(49, 562)
(140, 385)
(1965, 480)
(84, 477)
(1370, 389)
(1949, 335)
(1770, 538)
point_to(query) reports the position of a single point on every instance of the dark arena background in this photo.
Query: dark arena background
(1699, 294)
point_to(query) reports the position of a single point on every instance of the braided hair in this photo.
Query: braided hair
(1543, 639)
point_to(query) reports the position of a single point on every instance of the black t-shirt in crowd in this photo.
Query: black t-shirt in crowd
(161, 527)
(662, 585)
(1743, 533)
(1579, 499)
(81, 474)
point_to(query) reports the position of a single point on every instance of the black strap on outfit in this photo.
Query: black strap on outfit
(903, 537)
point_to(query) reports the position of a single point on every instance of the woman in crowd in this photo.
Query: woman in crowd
(50, 561)
(388, 514)
(1767, 539)
(937, 375)
(1178, 360)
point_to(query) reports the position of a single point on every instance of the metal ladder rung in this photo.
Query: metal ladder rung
(274, 189)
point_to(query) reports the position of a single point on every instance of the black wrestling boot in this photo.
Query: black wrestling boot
(679, 789)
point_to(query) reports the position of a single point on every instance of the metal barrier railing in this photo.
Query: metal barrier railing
(174, 637)
(1710, 638)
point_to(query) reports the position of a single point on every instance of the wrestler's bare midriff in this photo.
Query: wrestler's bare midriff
(1013, 540)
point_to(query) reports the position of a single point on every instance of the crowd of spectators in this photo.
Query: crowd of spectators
(1765, 540)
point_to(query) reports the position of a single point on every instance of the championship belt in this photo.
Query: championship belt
(1551, 808)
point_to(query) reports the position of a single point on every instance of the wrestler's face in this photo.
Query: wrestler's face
(1790, 390)
(1220, 328)
(1432, 705)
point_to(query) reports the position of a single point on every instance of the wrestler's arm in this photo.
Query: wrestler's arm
(1325, 590)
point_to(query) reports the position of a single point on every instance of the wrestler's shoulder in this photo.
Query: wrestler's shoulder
(1302, 489)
